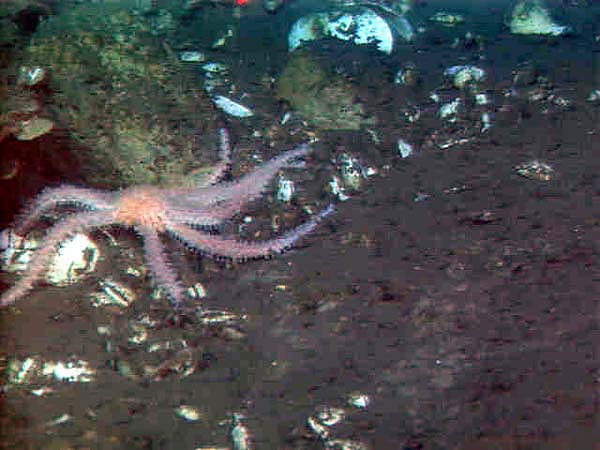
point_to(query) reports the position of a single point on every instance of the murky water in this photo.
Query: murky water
(459, 296)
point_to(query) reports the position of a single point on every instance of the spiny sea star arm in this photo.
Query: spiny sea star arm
(224, 164)
(40, 259)
(231, 248)
(161, 270)
(202, 217)
(61, 196)
(251, 186)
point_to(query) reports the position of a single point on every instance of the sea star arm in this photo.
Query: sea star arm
(218, 171)
(161, 269)
(200, 217)
(236, 194)
(61, 196)
(231, 248)
(40, 259)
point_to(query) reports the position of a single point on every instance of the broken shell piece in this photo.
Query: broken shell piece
(449, 110)
(59, 420)
(189, 413)
(285, 189)
(530, 17)
(594, 96)
(359, 400)
(30, 76)
(20, 372)
(325, 419)
(363, 27)
(239, 434)
(464, 75)
(215, 68)
(75, 258)
(213, 317)
(447, 19)
(345, 444)
(535, 170)
(192, 56)
(197, 291)
(404, 148)
(351, 172)
(139, 333)
(33, 128)
(232, 108)
(112, 293)
(17, 251)
(336, 189)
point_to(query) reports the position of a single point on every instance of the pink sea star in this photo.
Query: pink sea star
(152, 211)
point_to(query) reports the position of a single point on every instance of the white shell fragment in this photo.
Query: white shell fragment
(345, 444)
(192, 56)
(59, 420)
(464, 75)
(20, 372)
(75, 258)
(285, 189)
(535, 170)
(404, 148)
(112, 293)
(326, 418)
(239, 434)
(486, 122)
(447, 19)
(232, 108)
(363, 27)
(30, 76)
(215, 67)
(449, 110)
(197, 291)
(594, 96)
(359, 400)
(188, 413)
(17, 251)
(530, 17)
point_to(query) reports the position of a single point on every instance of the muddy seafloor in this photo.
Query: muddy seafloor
(469, 318)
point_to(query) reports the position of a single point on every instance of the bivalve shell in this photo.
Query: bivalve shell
(363, 27)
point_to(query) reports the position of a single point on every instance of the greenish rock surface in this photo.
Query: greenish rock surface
(325, 100)
(122, 95)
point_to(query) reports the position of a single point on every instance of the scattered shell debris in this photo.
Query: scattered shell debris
(535, 170)
(33, 370)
